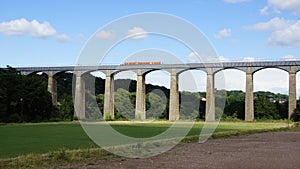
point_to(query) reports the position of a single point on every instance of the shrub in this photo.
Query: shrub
(108, 117)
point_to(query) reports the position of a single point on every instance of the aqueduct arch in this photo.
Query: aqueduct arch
(211, 68)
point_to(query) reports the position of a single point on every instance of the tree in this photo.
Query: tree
(123, 104)
(297, 115)
(155, 106)
(24, 98)
(189, 105)
(66, 108)
(235, 105)
(265, 109)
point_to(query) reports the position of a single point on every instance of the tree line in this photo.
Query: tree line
(26, 99)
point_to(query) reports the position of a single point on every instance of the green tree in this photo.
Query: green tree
(123, 103)
(265, 109)
(189, 105)
(155, 106)
(66, 108)
(24, 98)
(235, 105)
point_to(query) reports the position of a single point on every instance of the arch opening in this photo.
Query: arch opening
(271, 93)
(125, 94)
(157, 92)
(63, 91)
(94, 86)
(235, 92)
(192, 93)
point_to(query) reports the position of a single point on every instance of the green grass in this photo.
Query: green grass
(23, 139)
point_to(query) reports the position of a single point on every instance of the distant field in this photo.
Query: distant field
(22, 139)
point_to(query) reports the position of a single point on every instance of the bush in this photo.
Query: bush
(108, 117)
(15, 118)
(138, 117)
(54, 119)
(61, 154)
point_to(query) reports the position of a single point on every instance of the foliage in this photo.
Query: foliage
(265, 109)
(125, 103)
(189, 105)
(267, 105)
(235, 105)
(108, 117)
(297, 112)
(155, 105)
(24, 98)
(66, 108)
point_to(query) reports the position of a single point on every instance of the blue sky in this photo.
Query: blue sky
(52, 33)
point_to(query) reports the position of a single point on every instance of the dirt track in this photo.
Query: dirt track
(265, 150)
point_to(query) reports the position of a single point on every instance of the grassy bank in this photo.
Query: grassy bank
(23, 139)
(64, 157)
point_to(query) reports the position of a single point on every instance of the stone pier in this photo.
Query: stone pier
(140, 104)
(249, 102)
(52, 88)
(210, 114)
(292, 92)
(108, 110)
(174, 97)
(79, 102)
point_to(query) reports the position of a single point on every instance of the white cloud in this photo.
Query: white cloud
(267, 10)
(289, 58)
(63, 38)
(289, 36)
(235, 1)
(274, 24)
(24, 27)
(223, 33)
(264, 10)
(222, 59)
(285, 32)
(32, 28)
(105, 34)
(137, 33)
(194, 57)
(293, 5)
(247, 59)
(215, 59)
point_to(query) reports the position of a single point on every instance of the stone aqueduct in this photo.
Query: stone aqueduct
(292, 67)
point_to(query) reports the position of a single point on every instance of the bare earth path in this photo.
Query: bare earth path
(264, 150)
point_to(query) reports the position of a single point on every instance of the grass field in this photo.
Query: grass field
(23, 139)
